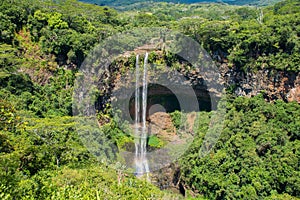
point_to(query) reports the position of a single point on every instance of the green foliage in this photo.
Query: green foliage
(247, 37)
(45, 159)
(8, 58)
(56, 27)
(251, 39)
(53, 99)
(42, 156)
(138, 4)
(178, 119)
(155, 142)
(7, 29)
(92, 182)
(287, 7)
(255, 156)
(8, 116)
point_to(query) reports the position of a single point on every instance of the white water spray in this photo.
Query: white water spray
(141, 161)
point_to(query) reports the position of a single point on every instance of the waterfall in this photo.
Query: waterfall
(137, 105)
(141, 162)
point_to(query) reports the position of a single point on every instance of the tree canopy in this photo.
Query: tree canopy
(42, 46)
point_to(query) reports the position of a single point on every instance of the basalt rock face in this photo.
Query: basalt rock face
(272, 83)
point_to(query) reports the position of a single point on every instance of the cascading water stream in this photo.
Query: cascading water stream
(137, 106)
(141, 161)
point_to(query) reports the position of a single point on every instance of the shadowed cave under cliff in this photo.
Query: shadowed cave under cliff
(168, 101)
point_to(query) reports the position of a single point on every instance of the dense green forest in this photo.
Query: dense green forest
(42, 45)
(125, 4)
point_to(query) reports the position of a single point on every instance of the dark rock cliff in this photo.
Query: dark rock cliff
(272, 83)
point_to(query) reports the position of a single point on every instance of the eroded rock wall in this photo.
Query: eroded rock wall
(273, 83)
